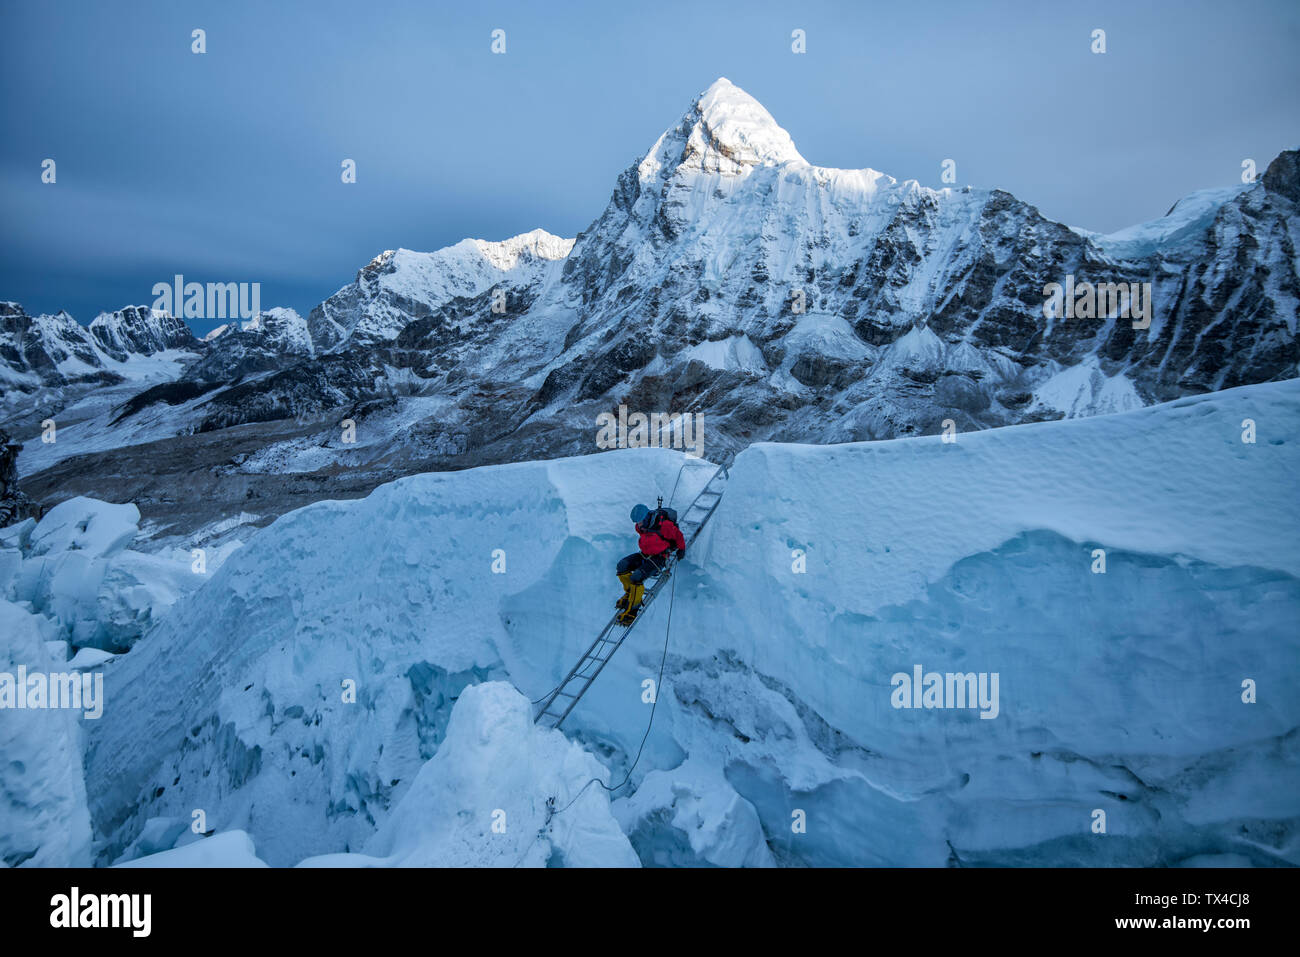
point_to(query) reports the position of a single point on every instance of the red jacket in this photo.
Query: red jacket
(665, 537)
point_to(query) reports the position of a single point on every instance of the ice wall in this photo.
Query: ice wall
(299, 693)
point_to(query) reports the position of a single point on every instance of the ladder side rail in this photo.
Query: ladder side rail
(574, 670)
(649, 597)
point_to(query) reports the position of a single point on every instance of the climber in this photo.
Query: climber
(659, 534)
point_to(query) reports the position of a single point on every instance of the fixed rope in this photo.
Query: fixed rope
(551, 811)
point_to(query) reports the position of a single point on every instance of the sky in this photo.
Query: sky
(225, 166)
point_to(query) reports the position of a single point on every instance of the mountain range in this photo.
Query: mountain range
(727, 277)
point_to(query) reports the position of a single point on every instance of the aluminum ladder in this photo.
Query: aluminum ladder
(557, 705)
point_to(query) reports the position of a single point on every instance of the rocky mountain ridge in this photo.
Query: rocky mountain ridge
(729, 278)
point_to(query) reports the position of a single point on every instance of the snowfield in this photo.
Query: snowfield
(338, 691)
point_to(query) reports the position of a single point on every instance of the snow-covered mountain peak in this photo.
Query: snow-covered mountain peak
(728, 136)
(401, 283)
(539, 244)
(263, 319)
(133, 319)
(474, 254)
(737, 125)
(282, 329)
(725, 131)
(470, 256)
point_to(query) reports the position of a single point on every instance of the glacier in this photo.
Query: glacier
(44, 813)
(338, 692)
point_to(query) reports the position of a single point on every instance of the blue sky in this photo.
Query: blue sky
(225, 166)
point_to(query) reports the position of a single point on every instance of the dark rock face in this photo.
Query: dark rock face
(302, 389)
(171, 393)
(1283, 176)
(234, 359)
(14, 505)
(138, 330)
